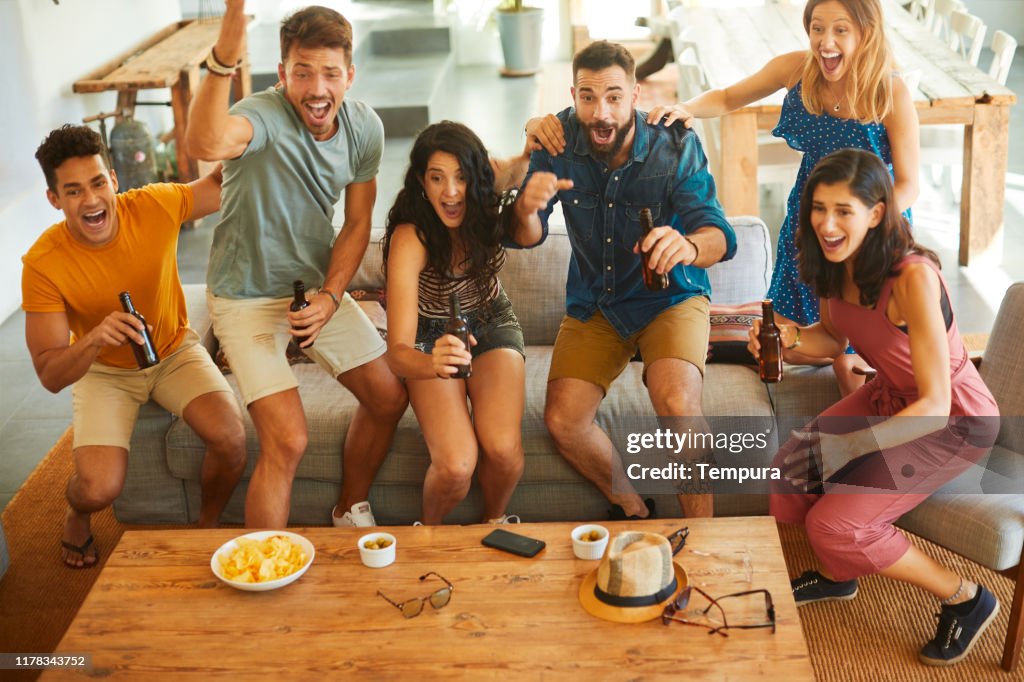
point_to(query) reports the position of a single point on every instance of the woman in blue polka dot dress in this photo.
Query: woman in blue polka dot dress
(842, 93)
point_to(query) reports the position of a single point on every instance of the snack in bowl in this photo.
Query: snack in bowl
(377, 550)
(589, 541)
(262, 560)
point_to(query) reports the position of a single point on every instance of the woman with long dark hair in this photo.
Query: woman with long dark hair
(445, 237)
(923, 420)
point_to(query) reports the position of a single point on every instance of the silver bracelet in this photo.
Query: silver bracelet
(950, 600)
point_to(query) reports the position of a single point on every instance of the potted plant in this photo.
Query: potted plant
(520, 29)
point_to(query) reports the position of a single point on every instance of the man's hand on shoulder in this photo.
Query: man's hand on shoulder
(547, 133)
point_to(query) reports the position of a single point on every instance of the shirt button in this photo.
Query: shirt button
(610, 204)
(609, 240)
(604, 170)
(608, 290)
(609, 267)
(576, 202)
(616, 178)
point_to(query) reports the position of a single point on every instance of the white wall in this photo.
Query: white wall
(44, 49)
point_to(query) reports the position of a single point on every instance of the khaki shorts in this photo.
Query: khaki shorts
(593, 351)
(106, 400)
(254, 334)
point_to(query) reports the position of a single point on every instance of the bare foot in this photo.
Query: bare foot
(78, 549)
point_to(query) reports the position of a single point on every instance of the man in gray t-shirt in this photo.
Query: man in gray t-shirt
(288, 154)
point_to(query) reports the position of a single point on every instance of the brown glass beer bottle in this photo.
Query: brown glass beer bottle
(770, 364)
(298, 303)
(652, 280)
(145, 352)
(458, 326)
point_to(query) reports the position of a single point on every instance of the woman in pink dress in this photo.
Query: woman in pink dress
(923, 420)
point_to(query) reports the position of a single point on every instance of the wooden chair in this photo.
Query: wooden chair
(941, 13)
(966, 35)
(923, 11)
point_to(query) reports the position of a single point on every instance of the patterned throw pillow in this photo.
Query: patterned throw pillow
(370, 300)
(730, 326)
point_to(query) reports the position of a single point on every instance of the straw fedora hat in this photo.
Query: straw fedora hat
(634, 580)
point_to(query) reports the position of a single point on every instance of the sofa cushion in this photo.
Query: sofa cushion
(1002, 367)
(730, 332)
(746, 277)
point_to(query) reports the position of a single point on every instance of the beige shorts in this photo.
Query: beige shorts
(106, 400)
(593, 351)
(254, 334)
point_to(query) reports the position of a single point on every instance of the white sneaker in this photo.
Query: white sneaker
(359, 516)
(505, 519)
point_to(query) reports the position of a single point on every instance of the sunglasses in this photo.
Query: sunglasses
(411, 608)
(678, 539)
(673, 611)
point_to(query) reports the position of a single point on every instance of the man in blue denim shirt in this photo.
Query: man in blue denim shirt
(612, 165)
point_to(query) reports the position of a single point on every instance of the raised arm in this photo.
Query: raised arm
(60, 363)
(903, 130)
(212, 134)
(781, 72)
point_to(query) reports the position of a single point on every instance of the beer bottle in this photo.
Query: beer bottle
(652, 280)
(145, 353)
(298, 303)
(770, 364)
(458, 326)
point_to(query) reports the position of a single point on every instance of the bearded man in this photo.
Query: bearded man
(613, 164)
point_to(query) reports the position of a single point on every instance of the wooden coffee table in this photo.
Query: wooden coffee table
(157, 608)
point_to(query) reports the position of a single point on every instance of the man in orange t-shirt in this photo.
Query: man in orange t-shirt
(77, 333)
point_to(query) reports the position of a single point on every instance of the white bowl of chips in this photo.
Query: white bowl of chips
(264, 560)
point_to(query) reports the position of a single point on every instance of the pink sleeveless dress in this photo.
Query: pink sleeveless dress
(850, 525)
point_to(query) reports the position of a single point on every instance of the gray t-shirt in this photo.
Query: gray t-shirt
(277, 200)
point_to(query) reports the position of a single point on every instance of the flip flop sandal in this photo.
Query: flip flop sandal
(81, 550)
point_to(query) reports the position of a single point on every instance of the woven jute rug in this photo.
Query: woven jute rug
(873, 638)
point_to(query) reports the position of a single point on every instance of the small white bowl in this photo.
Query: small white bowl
(377, 558)
(589, 550)
(231, 545)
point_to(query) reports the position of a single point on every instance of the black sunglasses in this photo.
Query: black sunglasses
(411, 608)
(678, 539)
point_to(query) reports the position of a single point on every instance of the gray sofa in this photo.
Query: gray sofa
(164, 466)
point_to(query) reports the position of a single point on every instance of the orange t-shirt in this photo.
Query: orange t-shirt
(60, 274)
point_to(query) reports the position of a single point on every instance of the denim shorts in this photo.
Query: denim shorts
(494, 326)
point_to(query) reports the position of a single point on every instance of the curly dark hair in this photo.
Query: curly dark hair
(482, 229)
(68, 142)
(884, 246)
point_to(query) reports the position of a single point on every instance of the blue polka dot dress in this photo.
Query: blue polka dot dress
(816, 137)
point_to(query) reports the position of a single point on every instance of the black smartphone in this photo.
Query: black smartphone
(513, 543)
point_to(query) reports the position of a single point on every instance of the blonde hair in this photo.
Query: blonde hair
(869, 82)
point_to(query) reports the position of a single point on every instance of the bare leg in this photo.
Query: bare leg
(382, 402)
(675, 387)
(281, 424)
(216, 419)
(569, 415)
(96, 483)
(497, 390)
(917, 568)
(440, 406)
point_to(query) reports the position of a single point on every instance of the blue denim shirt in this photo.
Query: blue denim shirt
(667, 172)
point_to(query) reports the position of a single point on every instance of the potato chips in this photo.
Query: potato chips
(258, 561)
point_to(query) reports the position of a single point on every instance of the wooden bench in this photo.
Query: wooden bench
(170, 58)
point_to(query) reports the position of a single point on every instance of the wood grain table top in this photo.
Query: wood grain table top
(157, 609)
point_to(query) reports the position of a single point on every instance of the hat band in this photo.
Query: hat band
(645, 600)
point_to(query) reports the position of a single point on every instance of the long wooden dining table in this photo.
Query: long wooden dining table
(733, 43)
